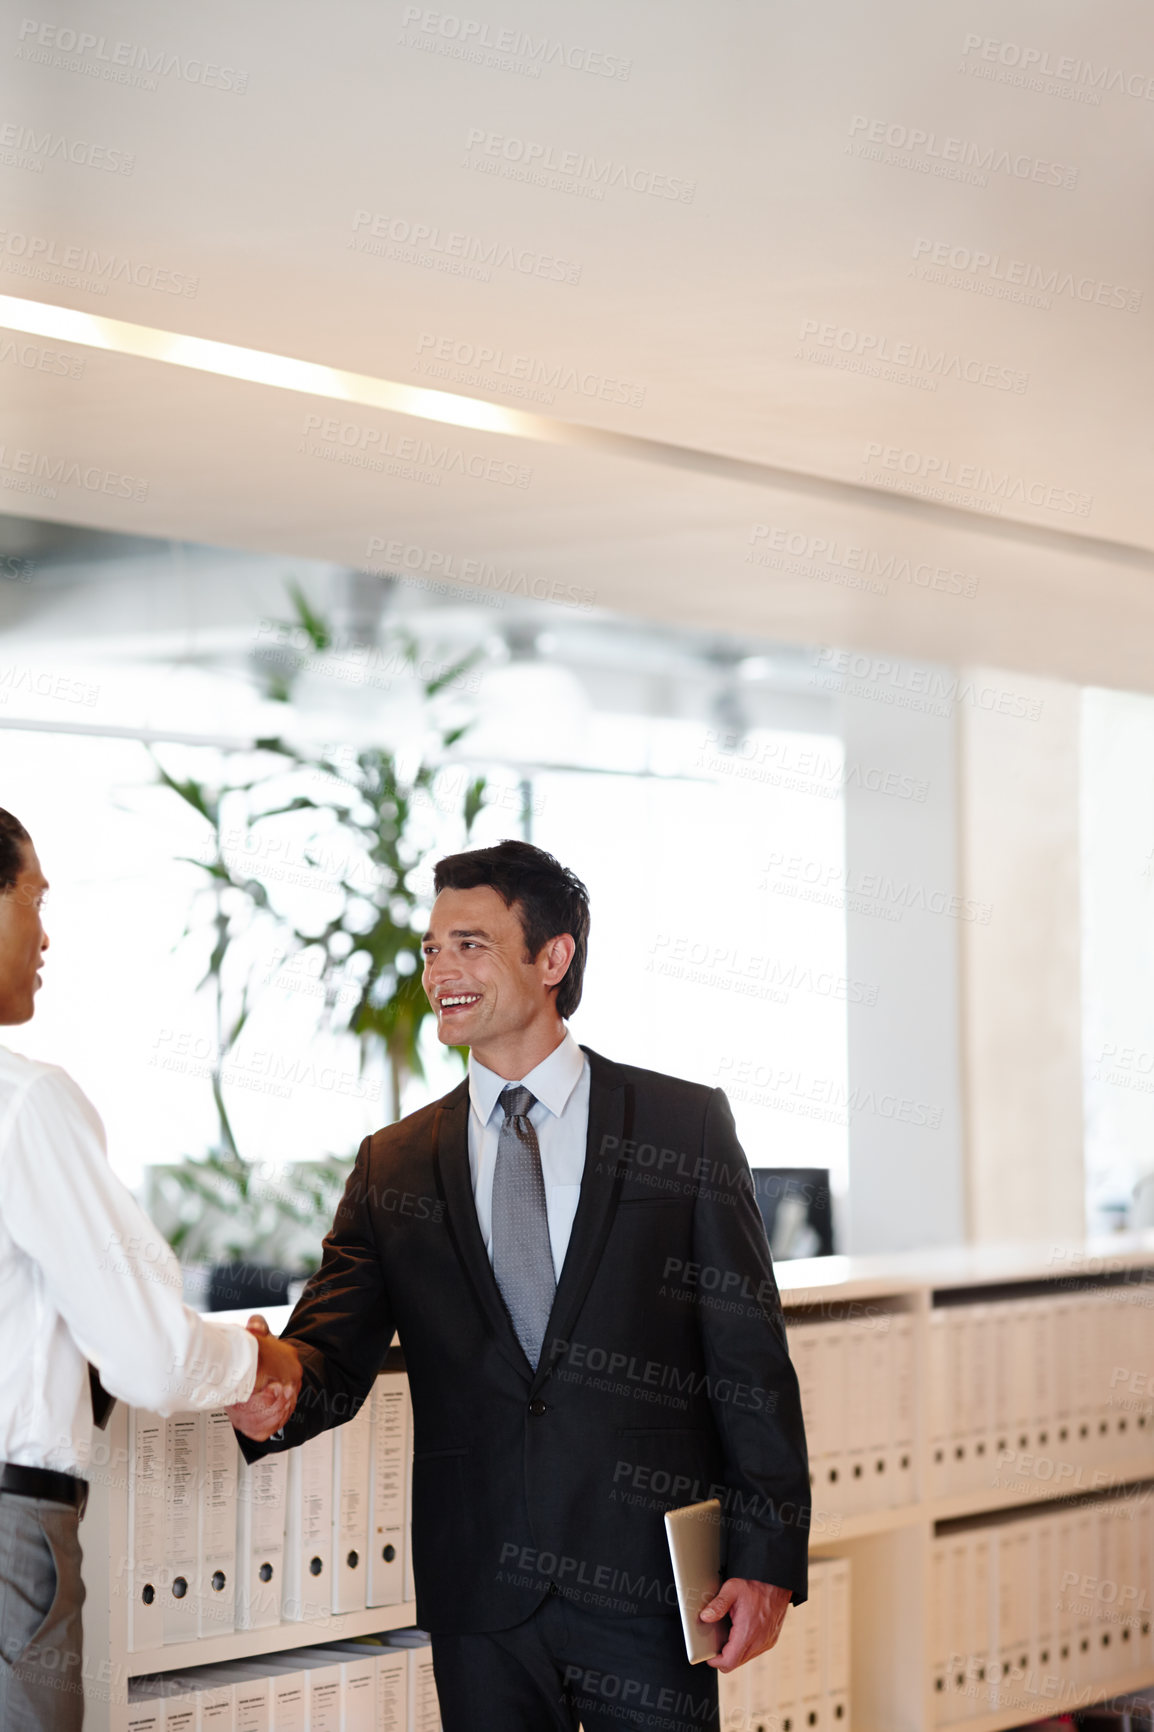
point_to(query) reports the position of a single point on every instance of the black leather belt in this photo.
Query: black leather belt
(44, 1482)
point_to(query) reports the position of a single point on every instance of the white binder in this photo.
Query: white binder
(289, 1702)
(1045, 1600)
(812, 1623)
(761, 1693)
(1047, 1347)
(858, 1418)
(1065, 1581)
(1015, 1588)
(410, 1587)
(146, 1524)
(144, 1715)
(216, 1601)
(179, 1704)
(1022, 1390)
(786, 1662)
(182, 1713)
(981, 1644)
(316, 1675)
(260, 1541)
(903, 1410)
(941, 1628)
(980, 1418)
(1144, 1576)
(424, 1708)
(309, 1531)
(248, 1682)
(217, 1704)
(351, 1443)
(358, 1679)
(183, 1473)
(323, 1680)
(733, 1699)
(389, 1457)
(938, 1402)
(959, 1394)
(392, 1690)
(1002, 1394)
(836, 1646)
(253, 1700)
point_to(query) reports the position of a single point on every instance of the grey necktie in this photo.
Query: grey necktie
(522, 1257)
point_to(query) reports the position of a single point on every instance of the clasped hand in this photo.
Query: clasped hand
(278, 1383)
(756, 1612)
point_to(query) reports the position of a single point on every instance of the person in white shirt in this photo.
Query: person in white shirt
(90, 1307)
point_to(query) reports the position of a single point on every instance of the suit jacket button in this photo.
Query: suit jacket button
(537, 1408)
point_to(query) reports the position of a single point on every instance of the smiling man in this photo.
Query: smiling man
(549, 1240)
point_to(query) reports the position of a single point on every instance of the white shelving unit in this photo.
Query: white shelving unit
(890, 1548)
(108, 1665)
(891, 1668)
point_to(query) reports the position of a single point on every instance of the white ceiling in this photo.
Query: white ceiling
(719, 313)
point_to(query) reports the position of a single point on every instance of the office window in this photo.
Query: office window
(701, 964)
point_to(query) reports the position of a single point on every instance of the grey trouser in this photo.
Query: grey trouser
(41, 1594)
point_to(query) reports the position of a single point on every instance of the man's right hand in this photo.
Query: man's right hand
(277, 1386)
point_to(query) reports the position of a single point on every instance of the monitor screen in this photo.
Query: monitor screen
(795, 1206)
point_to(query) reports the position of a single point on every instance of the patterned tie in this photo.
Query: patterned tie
(522, 1257)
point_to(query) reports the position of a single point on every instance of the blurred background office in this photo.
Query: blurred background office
(711, 444)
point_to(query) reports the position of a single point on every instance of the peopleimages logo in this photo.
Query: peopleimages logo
(999, 484)
(120, 62)
(574, 169)
(518, 374)
(463, 255)
(871, 351)
(811, 554)
(505, 50)
(33, 254)
(992, 273)
(405, 558)
(1067, 69)
(23, 147)
(932, 152)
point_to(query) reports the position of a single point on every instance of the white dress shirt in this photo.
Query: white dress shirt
(84, 1275)
(561, 1121)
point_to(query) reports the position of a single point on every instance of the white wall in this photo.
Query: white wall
(1021, 992)
(906, 1177)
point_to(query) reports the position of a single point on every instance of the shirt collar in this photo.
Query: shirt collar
(552, 1081)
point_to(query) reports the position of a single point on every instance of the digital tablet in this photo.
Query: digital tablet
(694, 1533)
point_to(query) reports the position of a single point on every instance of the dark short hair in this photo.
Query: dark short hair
(13, 836)
(548, 897)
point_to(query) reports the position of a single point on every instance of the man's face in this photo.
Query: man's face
(23, 940)
(476, 975)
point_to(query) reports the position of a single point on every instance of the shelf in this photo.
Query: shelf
(242, 1644)
(891, 1547)
(1003, 1719)
(809, 1280)
(869, 1523)
(1093, 1481)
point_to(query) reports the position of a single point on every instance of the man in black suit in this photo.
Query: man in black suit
(571, 1255)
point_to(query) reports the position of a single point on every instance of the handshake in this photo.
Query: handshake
(278, 1383)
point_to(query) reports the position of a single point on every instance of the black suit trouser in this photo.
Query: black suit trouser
(565, 1666)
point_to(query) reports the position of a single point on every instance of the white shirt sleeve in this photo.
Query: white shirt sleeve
(110, 1273)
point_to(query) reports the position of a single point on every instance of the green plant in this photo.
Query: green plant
(355, 819)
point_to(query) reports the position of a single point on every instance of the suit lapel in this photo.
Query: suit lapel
(451, 1155)
(610, 1121)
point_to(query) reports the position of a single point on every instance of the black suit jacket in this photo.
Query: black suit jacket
(665, 1376)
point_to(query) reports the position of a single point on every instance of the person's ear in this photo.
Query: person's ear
(558, 955)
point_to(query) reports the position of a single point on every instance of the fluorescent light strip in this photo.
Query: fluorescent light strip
(92, 330)
(258, 367)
